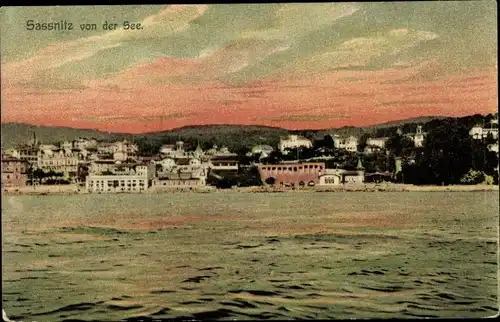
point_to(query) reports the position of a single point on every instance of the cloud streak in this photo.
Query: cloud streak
(311, 65)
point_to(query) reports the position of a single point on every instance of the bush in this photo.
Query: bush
(489, 180)
(473, 177)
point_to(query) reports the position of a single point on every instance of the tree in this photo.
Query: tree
(448, 153)
(83, 172)
(249, 177)
(39, 175)
(399, 145)
(328, 142)
(362, 142)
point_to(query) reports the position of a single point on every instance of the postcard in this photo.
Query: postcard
(250, 161)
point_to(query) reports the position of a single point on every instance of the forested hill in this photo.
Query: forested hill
(232, 136)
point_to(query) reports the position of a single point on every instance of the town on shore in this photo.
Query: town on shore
(446, 154)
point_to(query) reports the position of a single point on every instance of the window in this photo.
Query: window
(274, 168)
(295, 169)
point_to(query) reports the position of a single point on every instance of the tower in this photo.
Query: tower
(419, 129)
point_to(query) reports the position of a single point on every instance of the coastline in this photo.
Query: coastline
(389, 187)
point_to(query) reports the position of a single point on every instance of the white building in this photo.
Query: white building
(48, 147)
(337, 177)
(263, 150)
(13, 153)
(377, 142)
(493, 147)
(224, 163)
(293, 142)
(116, 183)
(418, 137)
(167, 149)
(222, 152)
(120, 146)
(349, 143)
(331, 177)
(63, 161)
(66, 145)
(120, 156)
(173, 150)
(124, 178)
(478, 132)
(83, 143)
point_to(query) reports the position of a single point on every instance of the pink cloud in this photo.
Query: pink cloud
(137, 101)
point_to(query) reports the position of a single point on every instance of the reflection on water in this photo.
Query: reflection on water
(250, 256)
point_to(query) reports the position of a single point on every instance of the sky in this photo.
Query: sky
(290, 65)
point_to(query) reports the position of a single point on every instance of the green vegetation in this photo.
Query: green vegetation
(448, 154)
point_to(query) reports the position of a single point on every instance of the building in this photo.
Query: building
(120, 156)
(479, 133)
(29, 153)
(122, 178)
(262, 150)
(106, 148)
(14, 172)
(377, 142)
(331, 177)
(229, 162)
(167, 149)
(49, 147)
(116, 183)
(336, 177)
(173, 150)
(291, 174)
(378, 177)
(222, 152)
(101, 166)
(84, 143)
(184, 173)
(181, 163)
(347, 143)
(180, 179)
(59, 160)
(493, 147)
(293, 142)
(180, 183)
(66, 145)
(418, 137)
(12, 153)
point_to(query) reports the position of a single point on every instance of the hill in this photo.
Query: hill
(232, 136)
(16, 133)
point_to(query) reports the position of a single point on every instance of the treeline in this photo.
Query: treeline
(451, 156)
(233, 137)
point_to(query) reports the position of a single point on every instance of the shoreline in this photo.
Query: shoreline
(74, 190)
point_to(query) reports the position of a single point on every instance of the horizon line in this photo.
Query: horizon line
(239, 124)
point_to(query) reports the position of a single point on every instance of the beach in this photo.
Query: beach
(383, 187)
